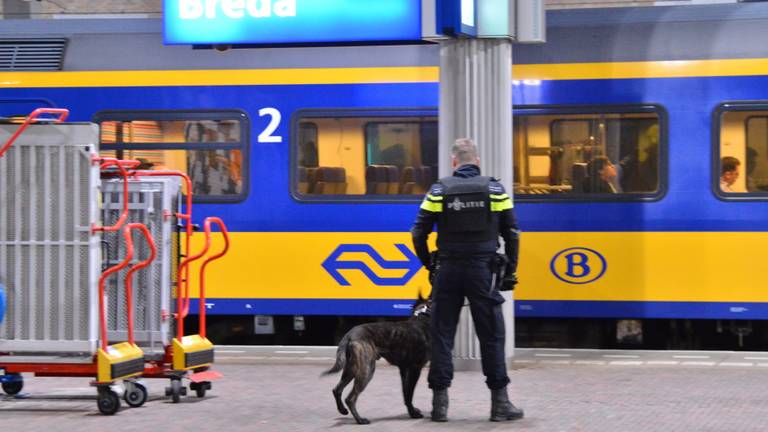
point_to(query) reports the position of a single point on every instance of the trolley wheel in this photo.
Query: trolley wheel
(176, 390)
(12, 388)
(135, 395)
(108, 402)
(200, 388)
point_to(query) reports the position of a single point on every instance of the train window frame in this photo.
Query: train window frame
(635, 108)
(243, 145)
(310, 113)
(717, 114)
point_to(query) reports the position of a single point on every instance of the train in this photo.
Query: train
(318, 158)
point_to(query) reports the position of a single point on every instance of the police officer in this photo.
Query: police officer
(471, 212)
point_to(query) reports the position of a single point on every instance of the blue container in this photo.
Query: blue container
(2, 303)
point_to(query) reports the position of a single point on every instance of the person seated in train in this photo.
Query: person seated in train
(601, 174)
(729, 169)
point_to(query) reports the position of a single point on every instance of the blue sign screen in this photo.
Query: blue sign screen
(290, 21)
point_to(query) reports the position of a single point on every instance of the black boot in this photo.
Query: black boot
(501, 408)
(440, 405)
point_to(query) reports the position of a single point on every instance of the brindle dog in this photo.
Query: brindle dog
(405, 344)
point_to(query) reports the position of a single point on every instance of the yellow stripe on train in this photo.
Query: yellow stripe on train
(372, 75)
(653, 266)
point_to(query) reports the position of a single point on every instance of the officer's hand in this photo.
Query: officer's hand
(432, 269)
(509, 282)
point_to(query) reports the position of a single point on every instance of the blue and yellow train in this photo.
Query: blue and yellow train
(317, 159)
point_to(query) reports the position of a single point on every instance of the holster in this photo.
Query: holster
(434, 266)
(499, 269)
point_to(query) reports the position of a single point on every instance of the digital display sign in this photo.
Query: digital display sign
(271, 22)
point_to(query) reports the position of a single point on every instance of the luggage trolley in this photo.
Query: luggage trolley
(44, 228)
(195, 353)
(183, 356)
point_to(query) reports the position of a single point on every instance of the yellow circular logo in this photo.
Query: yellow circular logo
(578, 265)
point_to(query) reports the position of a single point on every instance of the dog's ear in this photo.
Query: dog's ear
(421, 298)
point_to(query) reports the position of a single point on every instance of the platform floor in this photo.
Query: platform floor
(279, 389)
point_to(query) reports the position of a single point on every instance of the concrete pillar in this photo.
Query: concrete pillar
(476, 102)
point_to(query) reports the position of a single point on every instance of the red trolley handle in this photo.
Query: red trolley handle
(220, 254)
(31, 118)
(134, 269)
(124, 263)
(182, 299)
(104, 163)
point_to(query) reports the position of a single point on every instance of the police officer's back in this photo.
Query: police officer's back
(471, 212)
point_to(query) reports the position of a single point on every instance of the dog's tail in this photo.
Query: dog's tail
(341, 357)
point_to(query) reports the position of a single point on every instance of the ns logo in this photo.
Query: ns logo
(578, 265)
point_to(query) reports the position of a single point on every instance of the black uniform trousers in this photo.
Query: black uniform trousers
(469, 277)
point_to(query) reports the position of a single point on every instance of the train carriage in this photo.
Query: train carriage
(318, 158)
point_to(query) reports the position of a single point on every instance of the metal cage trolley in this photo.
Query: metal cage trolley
(50, 256)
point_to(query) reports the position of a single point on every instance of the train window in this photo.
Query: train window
(572, 153)
(209, 146)
(740, 167)
(364, 156)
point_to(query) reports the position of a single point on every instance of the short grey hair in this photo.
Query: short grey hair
(465, 151)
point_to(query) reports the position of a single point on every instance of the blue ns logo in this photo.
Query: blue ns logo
(333, 264)
(578, 265)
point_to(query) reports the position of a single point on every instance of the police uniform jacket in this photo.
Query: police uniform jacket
(462, 239)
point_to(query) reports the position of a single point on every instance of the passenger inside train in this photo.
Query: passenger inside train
(553, 152)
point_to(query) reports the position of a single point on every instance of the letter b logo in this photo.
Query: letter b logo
(578, 265)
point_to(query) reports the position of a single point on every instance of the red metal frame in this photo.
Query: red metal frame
(102, 280)
(224, 232)
(31, 118)
(104, 163)
(53, 369)
(182, 313)
(134, 269)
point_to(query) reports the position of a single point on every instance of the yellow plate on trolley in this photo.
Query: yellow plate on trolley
(192, 352)
(123, 360)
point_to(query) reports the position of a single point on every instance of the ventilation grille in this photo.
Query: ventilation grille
(32, 54)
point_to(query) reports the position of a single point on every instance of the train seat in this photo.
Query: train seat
(376, 180)
(303, 181)
(426, 175)
(393, 179)
(407, 181)
(311, 179)
(331, 181)
(340, 180)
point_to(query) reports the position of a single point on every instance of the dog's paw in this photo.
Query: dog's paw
(343, 411)
(363, 421)
(415, 413)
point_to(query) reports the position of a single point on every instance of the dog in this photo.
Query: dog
(405, 344)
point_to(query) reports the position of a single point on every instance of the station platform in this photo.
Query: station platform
(280, 389)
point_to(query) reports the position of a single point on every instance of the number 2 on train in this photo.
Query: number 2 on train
(266, 135)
